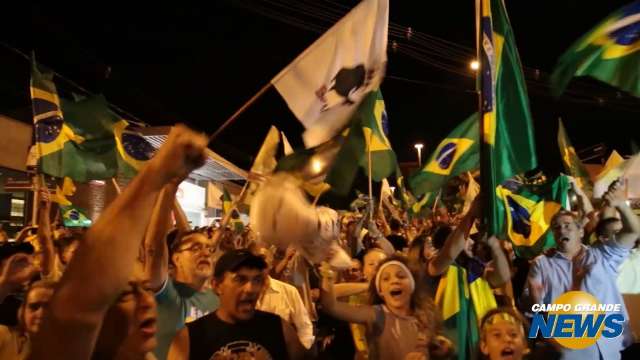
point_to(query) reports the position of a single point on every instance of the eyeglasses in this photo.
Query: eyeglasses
(197, 247)
(35, 306)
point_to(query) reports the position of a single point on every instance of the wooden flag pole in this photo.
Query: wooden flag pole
(116, 186)
(370, 162)
(38, 181)
(244, 107)
(484, 177)
(315, 200)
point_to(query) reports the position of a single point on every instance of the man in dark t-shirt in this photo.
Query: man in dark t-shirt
(236, 329)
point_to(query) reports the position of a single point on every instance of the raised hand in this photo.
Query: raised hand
(183, 152)
(17, 270)
(615, 196)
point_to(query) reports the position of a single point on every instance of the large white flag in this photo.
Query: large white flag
(325, 84)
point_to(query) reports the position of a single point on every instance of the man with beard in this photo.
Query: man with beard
(236, 329)
(592, 269)
(187, 296)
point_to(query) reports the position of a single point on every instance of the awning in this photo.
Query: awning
(216, 168)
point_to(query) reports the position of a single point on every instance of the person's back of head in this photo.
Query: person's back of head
(415, 256)
(440, 235)
(395, 225)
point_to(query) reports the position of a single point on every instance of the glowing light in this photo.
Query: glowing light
(316, 166)
(474, 65)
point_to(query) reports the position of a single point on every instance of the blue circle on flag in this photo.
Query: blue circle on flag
(74, 215)
(47, 130)
(136, 146)
(446, 155)
(629, 34)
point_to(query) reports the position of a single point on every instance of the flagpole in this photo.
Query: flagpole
(370, 182)
(483, 157)
(315, 200)
(115, 185)
(38, 180)
(244, 107)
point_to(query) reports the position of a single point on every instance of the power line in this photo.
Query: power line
(431, 50)
(77, 86)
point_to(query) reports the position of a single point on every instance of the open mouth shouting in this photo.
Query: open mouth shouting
(396, 293)
(507, 353)
(148, 326)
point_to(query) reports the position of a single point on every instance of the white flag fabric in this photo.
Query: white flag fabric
(325, 84)
(264, 163)
(288, 150)
(214, 195)
(614, 168)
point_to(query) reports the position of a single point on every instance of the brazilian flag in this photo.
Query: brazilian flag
(463, 297)
(456, 154)
(572, 164)
(609, 53)
(365, 134)
(528, 212)
(508, 145)
(83, 139)
(423, 207)
(74, 217)
(336, 161)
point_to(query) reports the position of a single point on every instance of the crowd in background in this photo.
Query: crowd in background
(141, 284)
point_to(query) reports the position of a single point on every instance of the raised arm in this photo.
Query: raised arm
(45, 236)
(348, 289)
(104, 261)
(454, 244)
(157, 264)
(500, 273)
(630, 232)
(182, 223)
(354, 314)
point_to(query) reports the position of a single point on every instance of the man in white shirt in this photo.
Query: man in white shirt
(284, 300)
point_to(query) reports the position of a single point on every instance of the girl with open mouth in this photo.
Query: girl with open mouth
(400, 322)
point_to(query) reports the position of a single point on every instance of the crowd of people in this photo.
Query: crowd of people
(141, 284)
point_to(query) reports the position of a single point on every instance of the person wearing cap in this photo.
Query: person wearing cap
(236, 329)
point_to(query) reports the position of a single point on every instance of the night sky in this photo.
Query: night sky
(198, 63)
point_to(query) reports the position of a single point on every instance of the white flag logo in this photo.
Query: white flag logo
(325, 84)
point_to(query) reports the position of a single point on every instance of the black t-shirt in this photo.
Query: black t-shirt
(398, 241)
(261, 337)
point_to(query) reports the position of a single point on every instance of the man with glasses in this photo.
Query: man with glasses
(187, 296)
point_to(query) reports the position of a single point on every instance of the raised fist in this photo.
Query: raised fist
(183, 152)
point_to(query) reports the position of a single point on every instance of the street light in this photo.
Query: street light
(474, 65)
(419, 149)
